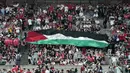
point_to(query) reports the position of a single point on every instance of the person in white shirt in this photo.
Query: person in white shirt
(114, 60)
(62, 6)
(66, 9)
(81, 14)
(109, 51)
(81, 8)
(112, 20)
(1, 34)
(70, 52)
(64, 62)
(129, 56)
(95, 13)
(7, 9)
(97, 22)
(15, 22)
(38, 21)
(77, 7)
(47, 71)
(30, 23)
(84, 18)
(44, 11)
(4, 23)
(17, 29)
(46, 21)
(118, 53)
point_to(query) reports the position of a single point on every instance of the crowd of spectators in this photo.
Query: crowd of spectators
(52, 69)
(65, 55)
(45, 69)
(17, 20)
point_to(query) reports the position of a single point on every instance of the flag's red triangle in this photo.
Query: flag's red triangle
(34, 36)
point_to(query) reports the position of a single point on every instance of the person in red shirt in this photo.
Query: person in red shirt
(83, 51)
(43, 70)
(20, 70)
(39, 63)
(82, 69)
(70, 18)
(122, 37)
(51, 9)
(40, 53)
(13, 69)
(28, 71)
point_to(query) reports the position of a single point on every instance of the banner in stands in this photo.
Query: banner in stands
(56, 37)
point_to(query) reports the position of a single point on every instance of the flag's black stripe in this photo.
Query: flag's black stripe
(75, 34)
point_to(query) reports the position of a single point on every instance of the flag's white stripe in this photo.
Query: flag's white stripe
(61, 36)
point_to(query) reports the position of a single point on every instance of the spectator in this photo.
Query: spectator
(28, 71)
(47, 70)
(29, 59)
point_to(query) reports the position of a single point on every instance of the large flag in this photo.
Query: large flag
(56, 37)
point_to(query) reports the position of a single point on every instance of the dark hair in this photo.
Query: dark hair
(47, 68)
(62, 70)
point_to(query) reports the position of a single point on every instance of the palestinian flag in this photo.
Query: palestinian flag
(56, 37)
